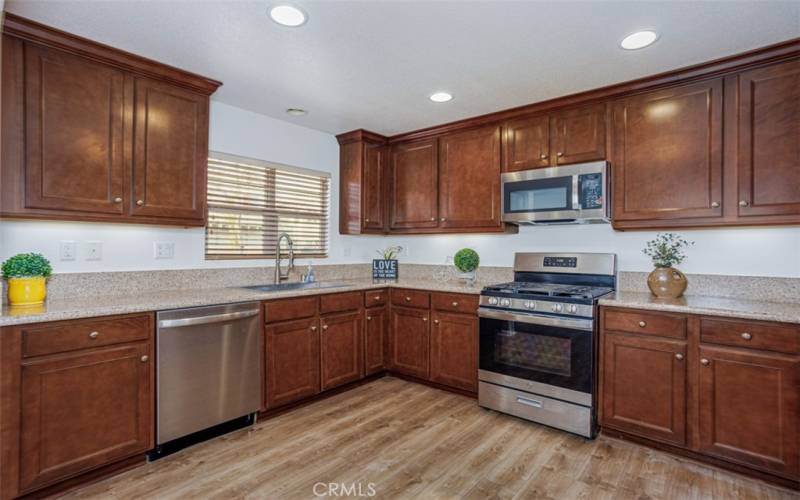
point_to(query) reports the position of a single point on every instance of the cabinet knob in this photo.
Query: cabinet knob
(369, 318)
(436, 322)
(145, 358)
(94, 335)
(433, 218)
(455, 304)
(313, 328)
(746, 336)
(542, 156)
(324, 327)
(679, 356)
(117, 200)
(140, 202)
(424, 318)
(642, 324)
(560, 154)
(377, 297)
(743, 203)
(705, 362)
(366, 220)
(408, 299)
(715, 204)
(443, 219)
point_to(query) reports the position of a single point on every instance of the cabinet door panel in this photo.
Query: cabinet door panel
(292, 361)
(170, 152)
(469, 179)
(84, 410)
(644, 387)
(769, 140)
(409, 346)
(749, 408)
(579, 135)
(74, 133)
(454, 350)
(376, 339)
(668, 153)
(414, 181)
(373, 189)
(341, 349)
(526, 143)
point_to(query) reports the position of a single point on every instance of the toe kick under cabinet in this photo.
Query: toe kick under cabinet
(726, 390)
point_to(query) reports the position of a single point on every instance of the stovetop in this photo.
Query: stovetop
(557, 290)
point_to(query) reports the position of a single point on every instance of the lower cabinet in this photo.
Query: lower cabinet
(341, 349)
(376, 339)
(454, 350)
(409, 344)
(748, 405)
(292, 361)
(644, 386)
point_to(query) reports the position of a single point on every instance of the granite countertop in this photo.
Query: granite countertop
(93, 306)
(786, 312)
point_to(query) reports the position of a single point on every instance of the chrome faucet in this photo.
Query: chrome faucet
(279, 276)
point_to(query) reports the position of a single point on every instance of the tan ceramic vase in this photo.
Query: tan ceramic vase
(667, 282)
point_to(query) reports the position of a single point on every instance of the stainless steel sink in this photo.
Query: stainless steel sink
(296, 286)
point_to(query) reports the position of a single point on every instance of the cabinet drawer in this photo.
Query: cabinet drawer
(649, 323)
(289, 309)
(337, 302)
(455, 302)
(83, 334)
(411, 298)
(771, 337)
(375, 298)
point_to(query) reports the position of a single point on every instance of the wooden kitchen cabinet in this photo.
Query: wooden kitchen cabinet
(341, 349)
(749, 408)
(363, 175)
(644, 386)
(293, 361)
(409, 343)
(469, 179)
(414, 182)
(454, 350)
(526, 143)
(376, 339)
(668, 154)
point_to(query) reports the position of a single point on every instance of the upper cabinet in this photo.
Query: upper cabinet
(93, 133)
(414, 185)
(362, 181)
(526, 143)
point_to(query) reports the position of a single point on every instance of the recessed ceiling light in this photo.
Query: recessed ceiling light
(288, 15)
(441, 97)
(639, 40)
(296, 112)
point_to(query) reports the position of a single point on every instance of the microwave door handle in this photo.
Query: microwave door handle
(576, 200)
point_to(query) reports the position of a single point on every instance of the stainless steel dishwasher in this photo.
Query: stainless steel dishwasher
(208, 368)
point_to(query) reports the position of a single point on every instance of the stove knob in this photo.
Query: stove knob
(572, 309)
(529, 304)
(492, 301)
(557, 308)
(505, 303)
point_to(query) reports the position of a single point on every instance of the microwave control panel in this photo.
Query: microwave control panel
(591, 191)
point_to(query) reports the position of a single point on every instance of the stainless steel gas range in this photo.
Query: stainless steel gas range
(538, 339)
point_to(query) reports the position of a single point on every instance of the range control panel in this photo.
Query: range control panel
(560, 262)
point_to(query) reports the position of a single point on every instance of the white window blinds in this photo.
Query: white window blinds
(250, 202)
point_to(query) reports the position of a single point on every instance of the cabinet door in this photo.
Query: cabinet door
(526, 143)
(170, 152)
(469, 179)
(644, 387)
(374, 187)
(74, 133)
(376, 339)
(579, 135)
(84, 410)
(769, 140)
(668, 154)
(454, 350)
(292, 361)
(341, 349)
(414, 201)
(409, 346)
(748, 405)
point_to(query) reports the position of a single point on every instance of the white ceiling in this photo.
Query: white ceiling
(372, 64)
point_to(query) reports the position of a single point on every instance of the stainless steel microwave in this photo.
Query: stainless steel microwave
(558, 195)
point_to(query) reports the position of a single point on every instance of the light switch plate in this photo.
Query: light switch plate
(94, 250)
(67, 250)
(163, 250)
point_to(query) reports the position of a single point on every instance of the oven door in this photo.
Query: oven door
(542, 354)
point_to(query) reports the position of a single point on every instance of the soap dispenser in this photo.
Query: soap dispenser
(310, 273)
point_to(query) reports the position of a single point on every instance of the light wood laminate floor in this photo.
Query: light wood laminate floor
(412, 441)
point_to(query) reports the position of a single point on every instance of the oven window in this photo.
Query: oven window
(539, 199)
(530, 352)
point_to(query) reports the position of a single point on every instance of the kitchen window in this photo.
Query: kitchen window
(250, 202)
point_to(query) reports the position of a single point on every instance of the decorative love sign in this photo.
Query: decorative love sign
(384, 269)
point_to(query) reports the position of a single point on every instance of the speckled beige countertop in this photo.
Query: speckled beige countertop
(786, 312)
(87, 307)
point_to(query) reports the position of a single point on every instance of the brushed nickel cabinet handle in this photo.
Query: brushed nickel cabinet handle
(743, 203)
(145, 358)
(642, 324)
(140, 202)
(117, 200)
(746, 336)
(94, 335)
(679, 356)
(715, 204)
(705, 362)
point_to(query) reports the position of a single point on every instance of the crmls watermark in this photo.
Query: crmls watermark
(344, 490)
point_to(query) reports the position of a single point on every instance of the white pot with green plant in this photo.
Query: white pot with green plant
(466, 262)
(667, 250)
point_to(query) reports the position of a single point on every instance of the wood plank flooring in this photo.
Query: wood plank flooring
(398, 439)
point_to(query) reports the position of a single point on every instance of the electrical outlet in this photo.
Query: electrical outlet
(163, 250)
(94, 250)
(67, 250)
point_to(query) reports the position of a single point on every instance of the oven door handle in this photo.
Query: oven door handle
(537, 319)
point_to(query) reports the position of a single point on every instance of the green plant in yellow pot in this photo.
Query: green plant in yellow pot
(27, 275)
(667, 250)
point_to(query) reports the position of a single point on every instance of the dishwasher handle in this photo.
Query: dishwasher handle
(204, 320)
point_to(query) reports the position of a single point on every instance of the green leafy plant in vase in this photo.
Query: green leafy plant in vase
(667, 250)
(27, 275)
(466, 262)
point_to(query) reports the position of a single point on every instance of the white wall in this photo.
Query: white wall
(743, 251)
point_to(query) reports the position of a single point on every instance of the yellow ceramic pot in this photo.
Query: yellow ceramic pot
(26, 291)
